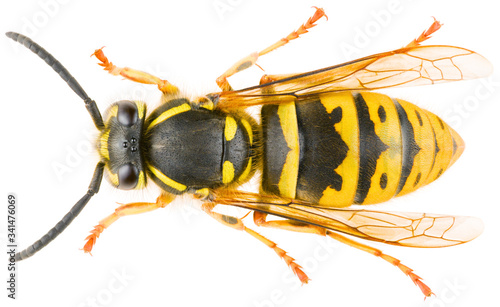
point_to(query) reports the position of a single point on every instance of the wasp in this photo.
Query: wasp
(325, 141)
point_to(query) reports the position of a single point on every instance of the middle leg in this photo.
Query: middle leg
(134, 75)
(250, 60)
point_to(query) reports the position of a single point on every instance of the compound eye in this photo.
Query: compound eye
(127, 113)
(128, 176)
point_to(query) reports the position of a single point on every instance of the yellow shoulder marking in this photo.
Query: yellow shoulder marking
(247, 170)
(171, 183)
(169, 113)
(248, 128)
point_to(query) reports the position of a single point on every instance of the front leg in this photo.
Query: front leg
(128, 209)
(134, 75)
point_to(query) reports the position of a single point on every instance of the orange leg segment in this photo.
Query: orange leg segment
(133, 208)
(436, 25)
(134, 75)
(260, 220)
(251, 59)
(376, 252)
(237, 224)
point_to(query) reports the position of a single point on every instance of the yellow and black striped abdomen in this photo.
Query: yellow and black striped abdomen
(345, 148)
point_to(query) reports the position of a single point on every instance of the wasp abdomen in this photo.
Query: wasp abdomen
(350, 147)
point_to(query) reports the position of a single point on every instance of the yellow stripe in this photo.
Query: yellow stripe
(388, 165)
(245, 173)
(169, 113)
(348, 129)
(424, 138)
(112, 112)
(203, 193)
(288, 121)
(248, 128)
(230, 129)
(227, 172)
(113, 178)
(141, 183)
(171, 183)
(207, 105)
(140, 108)
(103, 145)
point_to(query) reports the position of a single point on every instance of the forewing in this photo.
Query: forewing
(413, 66)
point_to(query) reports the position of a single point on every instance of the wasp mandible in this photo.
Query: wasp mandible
(325, 141)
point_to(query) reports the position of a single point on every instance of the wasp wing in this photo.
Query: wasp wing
(398, 228)
(411, 66)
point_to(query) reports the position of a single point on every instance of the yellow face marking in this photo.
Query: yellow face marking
(140, 108)
(113, 178)
(171, 183)
(348, 129)
(459, 143)
(169, 113)
(227, 172)
(141, 183)
(230, 128)
(247, 170)
(248, 128)
(112, 112)
(288, 121)
(103, 145)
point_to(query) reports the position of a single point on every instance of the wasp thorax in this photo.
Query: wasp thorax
(120, 144)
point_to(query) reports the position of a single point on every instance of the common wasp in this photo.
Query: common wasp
(324, 141)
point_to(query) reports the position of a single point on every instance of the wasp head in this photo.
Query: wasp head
(120, 144)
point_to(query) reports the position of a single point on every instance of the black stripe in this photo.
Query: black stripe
(436, 149)
(370, 148)
(410, 147)
(322, 150)
(275, 148)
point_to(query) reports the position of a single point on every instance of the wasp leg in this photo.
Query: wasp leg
(252, 58)
(260, 220)
(237, 224)
(426, 34)
(133, 208)
(134, 75)
(271, 78)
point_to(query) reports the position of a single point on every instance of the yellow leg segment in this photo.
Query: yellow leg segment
(250, 60)
(134, 75)
(133, 208)
(237, 224)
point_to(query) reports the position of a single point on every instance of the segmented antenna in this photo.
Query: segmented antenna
(63, 73)
(95, 183)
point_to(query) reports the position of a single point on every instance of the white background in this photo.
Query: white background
(178, 256)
